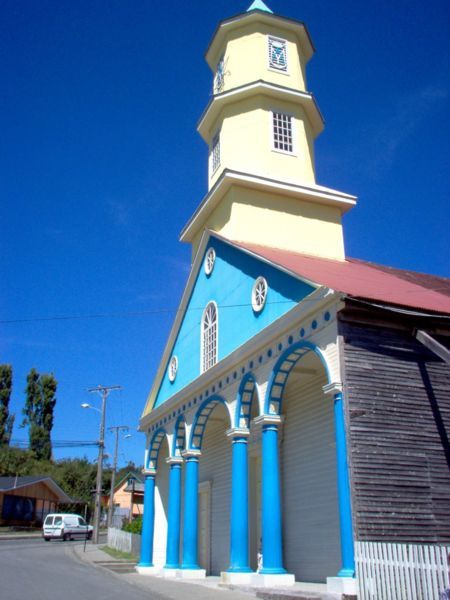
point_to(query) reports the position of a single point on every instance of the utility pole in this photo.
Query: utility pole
(117, 429)
(104, 392)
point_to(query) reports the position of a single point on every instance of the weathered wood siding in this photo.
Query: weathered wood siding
(398, 419)
(35, 490)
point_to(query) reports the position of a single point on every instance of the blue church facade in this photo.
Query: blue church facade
(276, 386)
(220, 444)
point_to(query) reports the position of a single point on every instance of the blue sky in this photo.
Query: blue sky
(101, 166)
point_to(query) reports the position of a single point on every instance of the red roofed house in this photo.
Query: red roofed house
(301, 409)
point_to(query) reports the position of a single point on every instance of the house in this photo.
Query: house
(128, 497)
(27, 500)
(302, 401)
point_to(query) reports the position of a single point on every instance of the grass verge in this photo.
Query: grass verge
(118, 553)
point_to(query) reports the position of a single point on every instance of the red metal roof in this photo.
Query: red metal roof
(363, 280)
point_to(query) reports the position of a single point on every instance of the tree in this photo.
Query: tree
(129, 467)
(6, 420)
(76, 476)
(16, 461)
(39, 406)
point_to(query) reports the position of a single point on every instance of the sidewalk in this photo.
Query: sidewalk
(161, 589)
(169, 589)
(19, 535)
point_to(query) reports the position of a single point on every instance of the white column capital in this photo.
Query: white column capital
(174, 460)
(268, 420)
(335, 387)
(191, 453)
(237, 432)
(149, 472)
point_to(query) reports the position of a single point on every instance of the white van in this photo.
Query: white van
(65, 527)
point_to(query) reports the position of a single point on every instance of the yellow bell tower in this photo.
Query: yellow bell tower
(260, 126)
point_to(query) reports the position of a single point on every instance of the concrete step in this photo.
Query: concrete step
(284, 594)
(272, 594)
(123, 561)
(119, 567)
(120, 570)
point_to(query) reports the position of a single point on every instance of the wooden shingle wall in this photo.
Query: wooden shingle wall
(398, 419)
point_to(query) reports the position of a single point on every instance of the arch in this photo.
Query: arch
(209, 335)
(244, 401)
(281, 370)
(201, 418)
(154, 447)
(179, 436)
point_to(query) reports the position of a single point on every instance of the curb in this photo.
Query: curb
(21, 536)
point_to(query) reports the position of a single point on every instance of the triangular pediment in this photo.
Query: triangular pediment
(229, 286)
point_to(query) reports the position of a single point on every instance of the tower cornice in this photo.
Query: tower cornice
(219, 37)
(278, 92)
(313, 193)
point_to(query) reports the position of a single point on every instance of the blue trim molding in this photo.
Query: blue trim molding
(281, 370)
(247, 393)
(153, 450)
(179, 436)
(201, 418)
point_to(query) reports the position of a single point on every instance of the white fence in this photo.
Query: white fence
(401, 571)
(124, 541)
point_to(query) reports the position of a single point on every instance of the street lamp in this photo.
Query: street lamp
(104, 392)
(86, 405)
(98, 486)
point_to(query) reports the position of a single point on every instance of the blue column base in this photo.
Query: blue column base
(346, 573)
(239, 570)
(190, 567)
(145, 564)
(171, 566)
(273, 571)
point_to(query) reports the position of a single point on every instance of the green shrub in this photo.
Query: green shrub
(135, 526)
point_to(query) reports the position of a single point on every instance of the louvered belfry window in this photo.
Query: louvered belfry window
(219, 76)
(209, 336)
(277, 54)
(215, 153)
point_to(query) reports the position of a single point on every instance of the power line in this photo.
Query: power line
(56, 443)
(156, 311)
(87, 316)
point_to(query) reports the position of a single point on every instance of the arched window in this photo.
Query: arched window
(209, 327)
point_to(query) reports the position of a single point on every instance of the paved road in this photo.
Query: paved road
(38, 570)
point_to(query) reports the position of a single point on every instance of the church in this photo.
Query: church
(301, 408)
